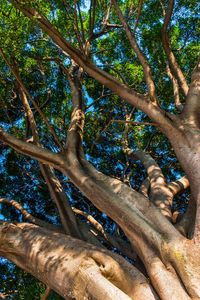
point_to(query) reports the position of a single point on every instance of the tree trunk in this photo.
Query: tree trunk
(73, 268)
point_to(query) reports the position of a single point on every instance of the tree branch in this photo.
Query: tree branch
(191, 111)
(118, 243)
(179, 185)
(32, 100)
(138, 16)
(160, 194)
(46, 293)
(178, 104)
(129, 95)
(170, 56)
(67, 217)
(76, 261)
(140, 55)
(119, 121)
(27, 216)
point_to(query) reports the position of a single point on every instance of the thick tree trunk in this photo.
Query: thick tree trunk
(73, 268)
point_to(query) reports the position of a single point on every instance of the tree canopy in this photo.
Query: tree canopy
(99, 106)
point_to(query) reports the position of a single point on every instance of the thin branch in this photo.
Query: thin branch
(49, 93)
(51, 43)
(46, 293)
(81, 21)
(118, 243)
(119, 121)
(77, 27)
(119, 73)
(7, 115)
(99, 98)
(93, 14)
(32, 100)
(27, 216)
(62, 202)
(138, 16)
(139, 53)
(149, 141)
(57, 193)
(170, 56)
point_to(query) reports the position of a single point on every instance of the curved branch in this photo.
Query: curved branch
(96, 185)
(179, 185)
(43, 155)
(170, 56)
(46, 293)
(138, 16)
(67, 217)
(160, 194)
(27, 216)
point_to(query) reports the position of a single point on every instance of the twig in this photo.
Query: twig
(120, 121)
(138, 16)
(46, 293)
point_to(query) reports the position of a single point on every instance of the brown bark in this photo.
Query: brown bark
(71, 267)
(170, 56)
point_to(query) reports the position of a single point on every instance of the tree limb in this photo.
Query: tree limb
(160, 194)
(191, 111)
(170, 56)
(138, 16)
(27, 216)
(32, 100)
(140, 55)
(129, 95)
(179, 185)
(76, 261)
(116, 242)
(67, 217)
(178, 104)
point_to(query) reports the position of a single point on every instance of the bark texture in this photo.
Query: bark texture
(168, 246)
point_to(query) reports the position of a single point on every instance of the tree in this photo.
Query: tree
(130, 58)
